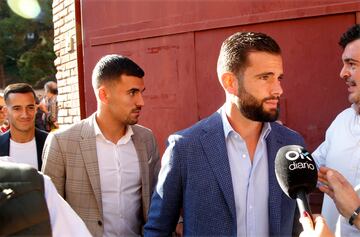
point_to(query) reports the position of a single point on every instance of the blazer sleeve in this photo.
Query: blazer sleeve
(167, 198)
(155, 162)
(53, 163)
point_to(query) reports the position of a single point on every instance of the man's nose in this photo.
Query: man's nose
(344, 73)
(140, 101)
(276, 89)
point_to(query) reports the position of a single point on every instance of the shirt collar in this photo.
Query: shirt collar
(357, 116)
(123, 140)
(228, 128)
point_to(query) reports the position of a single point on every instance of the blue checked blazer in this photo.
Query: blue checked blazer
(195, 176)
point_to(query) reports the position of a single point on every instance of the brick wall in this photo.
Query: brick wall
(66, 61)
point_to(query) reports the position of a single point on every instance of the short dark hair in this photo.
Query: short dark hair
(51, 87)
(111, 67)
(234, 51)
(353, 33)
(21, 88)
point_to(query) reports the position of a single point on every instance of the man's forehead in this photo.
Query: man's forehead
(352, 51)
(23, 98)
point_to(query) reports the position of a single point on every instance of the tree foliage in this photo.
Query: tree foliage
(26, 45)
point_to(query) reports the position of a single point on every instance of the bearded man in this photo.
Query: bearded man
(220, 171)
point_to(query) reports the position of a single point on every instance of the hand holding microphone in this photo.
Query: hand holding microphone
(296, 174)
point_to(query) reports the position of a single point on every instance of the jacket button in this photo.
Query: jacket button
(100, 223)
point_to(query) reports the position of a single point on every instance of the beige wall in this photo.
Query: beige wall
(66, 61)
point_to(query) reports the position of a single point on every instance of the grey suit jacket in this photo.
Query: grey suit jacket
(70, 159)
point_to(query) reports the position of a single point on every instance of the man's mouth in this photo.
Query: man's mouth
(136, 111)
(350, 83)
(273, 103)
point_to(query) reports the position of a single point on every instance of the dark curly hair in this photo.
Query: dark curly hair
(350, 35)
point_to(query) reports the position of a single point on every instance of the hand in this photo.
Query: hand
(179, 231)
(340, 190)
(320, 229)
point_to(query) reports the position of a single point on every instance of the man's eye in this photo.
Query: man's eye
(133, 92)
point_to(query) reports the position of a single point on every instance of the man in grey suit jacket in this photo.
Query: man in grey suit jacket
(220, 171)
(105, 166)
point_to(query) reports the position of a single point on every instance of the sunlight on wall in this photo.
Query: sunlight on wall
(25, 8)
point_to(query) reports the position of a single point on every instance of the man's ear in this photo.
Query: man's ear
(229, 83)
(5, 109)
(103, 94)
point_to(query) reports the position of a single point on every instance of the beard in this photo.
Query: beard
(253, 109)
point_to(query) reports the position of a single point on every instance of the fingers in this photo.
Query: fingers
(322, 175)
(327, 190)
(320, 223)
(331, 179)
(323, 170)
(306, 222)
(335, 179)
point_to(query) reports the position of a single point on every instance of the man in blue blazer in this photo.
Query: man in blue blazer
(220, 172)
(23, 142)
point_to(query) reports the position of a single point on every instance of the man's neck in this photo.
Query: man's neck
(20, 136)
(111, 129)
(248, 129)
(357, 108)
(245, 127)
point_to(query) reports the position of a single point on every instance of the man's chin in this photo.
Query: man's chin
(353, 99)
(133, 122)
(271, 116)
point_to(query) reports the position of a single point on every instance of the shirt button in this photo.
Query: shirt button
(100, 223)
(243, 156)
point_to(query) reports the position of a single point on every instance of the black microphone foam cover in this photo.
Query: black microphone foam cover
(295, 170)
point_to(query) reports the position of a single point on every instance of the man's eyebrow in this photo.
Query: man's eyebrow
(348, 60)
(136, 89)
(265, 74)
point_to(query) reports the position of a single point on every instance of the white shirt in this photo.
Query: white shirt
(120, 182)
(340, 151)
(63, 219)
(24, 153)
(250, 181)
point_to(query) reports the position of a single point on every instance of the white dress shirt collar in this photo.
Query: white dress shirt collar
(123, 140)
(266, 129)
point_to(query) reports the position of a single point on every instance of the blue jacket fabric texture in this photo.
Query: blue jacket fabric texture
(195, 177)
(40, 137)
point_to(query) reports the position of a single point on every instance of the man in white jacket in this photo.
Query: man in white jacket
(341, 148)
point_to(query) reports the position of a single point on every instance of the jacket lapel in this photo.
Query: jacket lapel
(140, 147)
(5, 144)
(214, 145)
(274, 143)
(89, 155)
(40, 138)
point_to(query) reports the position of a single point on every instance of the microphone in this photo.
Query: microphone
(296, 174)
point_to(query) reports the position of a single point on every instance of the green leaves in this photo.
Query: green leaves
(26, 45)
